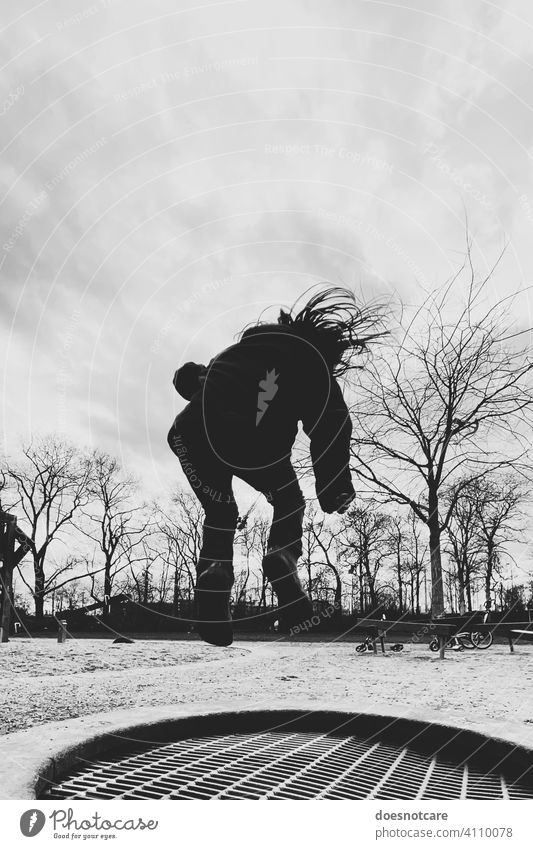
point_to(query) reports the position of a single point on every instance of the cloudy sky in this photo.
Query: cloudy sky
(169, 169)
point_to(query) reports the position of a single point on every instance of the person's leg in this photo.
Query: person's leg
(288, 503)
(280, 486)
(211, 482)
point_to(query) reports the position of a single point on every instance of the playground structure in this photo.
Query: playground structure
(113, 605)
(14, 544)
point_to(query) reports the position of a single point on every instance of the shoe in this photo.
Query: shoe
(295, 607)
(212, 602)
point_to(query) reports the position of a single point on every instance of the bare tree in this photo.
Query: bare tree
(180, 529)
(366, 545)
(449, 405)
(416, 553)
(484, 521)
(50, 486)
(263, 531)
(249, 540)
(327, 536)
(515, 598)
(311, 552)
(149, 583)
(70, 596)
(463, 540)
(115, 521)
(397, 543)
(498, 505)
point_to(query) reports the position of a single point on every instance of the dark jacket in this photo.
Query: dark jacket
(251, 396)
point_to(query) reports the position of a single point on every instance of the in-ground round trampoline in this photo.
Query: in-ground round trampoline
(292, 755)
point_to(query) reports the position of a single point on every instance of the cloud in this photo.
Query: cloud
(170, 172)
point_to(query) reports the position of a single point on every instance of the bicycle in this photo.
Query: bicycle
(467, 639)
(459, 642)
(368, 645)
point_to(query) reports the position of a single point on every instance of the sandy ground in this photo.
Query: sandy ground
(44, 681)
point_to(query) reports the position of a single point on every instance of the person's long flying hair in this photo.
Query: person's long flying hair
(336, 325)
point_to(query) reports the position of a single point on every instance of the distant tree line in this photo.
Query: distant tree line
(93, 538)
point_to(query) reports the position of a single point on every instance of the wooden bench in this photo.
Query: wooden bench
(514, 631)
(444, 630)
(502, 627)
(379, 628)
(522, 632)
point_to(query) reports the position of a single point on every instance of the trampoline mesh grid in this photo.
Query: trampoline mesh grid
(280, 765)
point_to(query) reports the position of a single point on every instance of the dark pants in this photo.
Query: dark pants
(211, 482)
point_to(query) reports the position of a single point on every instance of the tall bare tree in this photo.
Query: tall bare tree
(366, 546)
(50, 485)
(180, 530)
(115, 521)
(450, 404)
(463, 540)
(498, 504)
(310, 550)
(485, 519)
(397, 541)
(263, 530)
(416, 553)
(327, 534)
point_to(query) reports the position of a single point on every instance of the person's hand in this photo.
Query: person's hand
(340, 504)
(343, 501)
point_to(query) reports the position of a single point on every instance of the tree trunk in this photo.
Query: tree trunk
(451, 591)
(461, 587)
(370, 580)
(309, 581)
(146, 587)
(107, 592)
(262, 598)
(38, 595)
(488, 574)
(468, 589)
(400, 582)
(338, 594)
(176, 596)
(437, 588)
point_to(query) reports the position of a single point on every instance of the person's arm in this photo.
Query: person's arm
(327, 423)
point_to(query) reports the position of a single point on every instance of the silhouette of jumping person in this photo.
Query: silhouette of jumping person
(242, 420)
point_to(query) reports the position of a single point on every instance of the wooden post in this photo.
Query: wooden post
(375, 644)
(442, 645)
(511, 644)
(2, 546)
(8, 554)
(62, 633)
